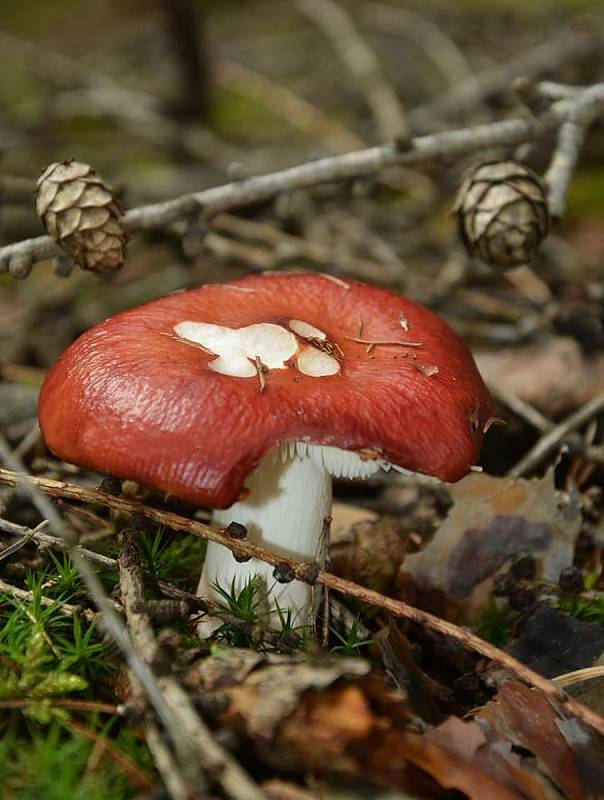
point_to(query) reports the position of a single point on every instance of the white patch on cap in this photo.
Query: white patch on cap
(238, 348)
(306, 330)
(316, 363)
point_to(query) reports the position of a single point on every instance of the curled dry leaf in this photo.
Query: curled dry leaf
(326, 715)
(571, 758)
(264, 689)
(493, 520)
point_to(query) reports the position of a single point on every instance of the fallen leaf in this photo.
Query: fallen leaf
(526, 718)
(553, 643)
(493, 520)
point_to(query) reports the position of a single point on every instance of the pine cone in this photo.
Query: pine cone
(80, 213)
(502, 213)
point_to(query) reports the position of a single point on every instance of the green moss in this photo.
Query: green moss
(52, 763)
(237, 115)
(586, 194)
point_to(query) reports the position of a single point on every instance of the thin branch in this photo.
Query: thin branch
(563, 47)
(24, 594)
(521, 408)
(339, 27)
(568, 149)
(357, 164)
(555, 436)
(293, 108)
(15, 546)
(285, 246)
(38, 534)
(421, 32)
(304, 572)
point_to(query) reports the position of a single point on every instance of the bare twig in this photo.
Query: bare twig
(326, 170)
(286, 246)
(566, 155)
(71, 705)
(135, 774)
(39, 534)
(24, 594)
(421, 32)
(361, 62)
(243, 547)
(554, 437)
(563, 47)
(522, 409)
(15, 546)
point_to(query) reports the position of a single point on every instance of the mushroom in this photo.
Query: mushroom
(249, 396)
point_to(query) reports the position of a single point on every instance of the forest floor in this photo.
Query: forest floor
(375, 701)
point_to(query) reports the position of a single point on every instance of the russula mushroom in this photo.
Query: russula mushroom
(249, 396)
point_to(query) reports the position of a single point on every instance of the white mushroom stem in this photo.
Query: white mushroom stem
(290, 496)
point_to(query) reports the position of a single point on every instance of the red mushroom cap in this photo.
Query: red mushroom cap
(133, 399)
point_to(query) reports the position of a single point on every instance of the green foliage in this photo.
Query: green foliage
(247, 609)
(586, 194)
(44, 652)
(67, 580)
(243, 606)
(52, 763)
(351, 644)
(585, 610)
(177, 559)
(495, 625)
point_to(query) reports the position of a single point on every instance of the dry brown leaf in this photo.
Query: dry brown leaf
(263, 689)
(493, 520)
(321, 730)
(453, 771)
(493, 757)
(526, 718)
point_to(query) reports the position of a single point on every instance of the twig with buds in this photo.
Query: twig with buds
(361, 163)
(311, 573)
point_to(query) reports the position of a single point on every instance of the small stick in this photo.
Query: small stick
(453, 143)
(552, 438)
(361, 62)
(384, 343)
(15, 546)
(522, 409)
(24, 594)
(261, 370)
(244, 547)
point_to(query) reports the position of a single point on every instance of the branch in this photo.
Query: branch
(362, 64)
(356, 164)
(571, 134)
(565, 46)
(311, 572)
(552, 438)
